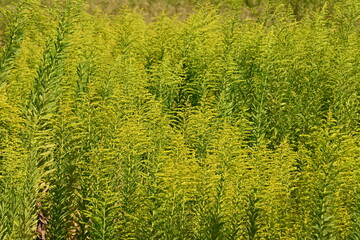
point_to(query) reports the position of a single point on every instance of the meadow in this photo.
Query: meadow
(234, 122)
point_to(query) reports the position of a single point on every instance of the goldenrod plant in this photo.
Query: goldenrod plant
(231, 120)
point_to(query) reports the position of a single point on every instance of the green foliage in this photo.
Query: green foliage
(229, 124)
(252, 221)
(12, 43)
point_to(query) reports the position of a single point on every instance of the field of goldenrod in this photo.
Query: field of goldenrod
(230, 123)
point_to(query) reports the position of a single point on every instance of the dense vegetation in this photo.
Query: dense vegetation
(215, 127)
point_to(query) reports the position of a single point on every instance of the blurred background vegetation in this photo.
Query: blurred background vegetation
(182, 8)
